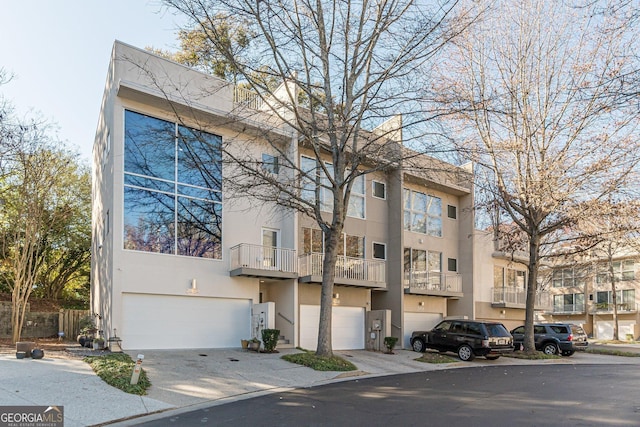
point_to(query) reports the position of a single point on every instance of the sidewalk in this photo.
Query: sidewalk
(184, 380)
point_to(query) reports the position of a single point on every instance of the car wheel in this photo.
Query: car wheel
(465, 353)
(418, 345)
(550, 348)
(491, 357)
(568, 353)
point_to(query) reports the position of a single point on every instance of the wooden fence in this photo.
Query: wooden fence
(69, 322)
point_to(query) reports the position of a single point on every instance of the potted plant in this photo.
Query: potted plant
(86, 329)
(270, 339)
(254, 344)
(98, 343)
(389, 343)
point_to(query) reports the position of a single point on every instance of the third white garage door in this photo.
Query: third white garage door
(418, 322)
(347, 327)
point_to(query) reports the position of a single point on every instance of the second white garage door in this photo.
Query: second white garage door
(605, 329)
(168, 322)
(418, 322)
(347, 327)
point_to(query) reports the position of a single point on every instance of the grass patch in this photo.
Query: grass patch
(612, 352)
(115, 369)
(430, 357)
(537, 355)
(319, 363)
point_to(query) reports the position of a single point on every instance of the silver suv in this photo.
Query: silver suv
(554, 338)
(468, 338)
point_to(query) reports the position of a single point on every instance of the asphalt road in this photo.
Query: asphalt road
(535, 395)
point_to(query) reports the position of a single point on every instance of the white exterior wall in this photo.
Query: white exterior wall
(117, 272)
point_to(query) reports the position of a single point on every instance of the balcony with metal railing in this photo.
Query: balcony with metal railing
(507, 297)
(568, 308)
(263, 261)
(430, 283)
(247, 98)
(623, 308)
(349, 271)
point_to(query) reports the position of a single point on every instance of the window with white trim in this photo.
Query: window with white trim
(379, 190)
(422, 213)
(357, 198)
(379, 251)
(270, 163)
(568, 303)
(567, 277)
(509, 277)
(622, 271)
(311, 173)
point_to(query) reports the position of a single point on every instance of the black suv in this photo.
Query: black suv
(468, 338)
(554, 338)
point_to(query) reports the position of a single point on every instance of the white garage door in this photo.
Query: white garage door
(347, 327)
(604, 329)
(166, 322)
(418, 322)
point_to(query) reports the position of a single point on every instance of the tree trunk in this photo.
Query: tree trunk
(324, 347)
(614, 300)
(532, 280)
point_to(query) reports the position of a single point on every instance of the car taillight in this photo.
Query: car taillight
(570, 338)
(485, 343)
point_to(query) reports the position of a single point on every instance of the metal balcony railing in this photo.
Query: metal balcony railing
(247, 98)
(518, 297)
(430, 281)
(358, 269)
(568, 308)
(622, 307)
(263, 258)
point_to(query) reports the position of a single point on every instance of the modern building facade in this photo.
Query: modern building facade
(581, 291)
(179, 263)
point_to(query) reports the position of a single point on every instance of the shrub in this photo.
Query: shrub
(390, 342)
(270, 339)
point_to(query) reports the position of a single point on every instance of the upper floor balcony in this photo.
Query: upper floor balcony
(568, 308)
(510, 297)
(263, 261)
(430, 283)
(623, 308)
(349, 271)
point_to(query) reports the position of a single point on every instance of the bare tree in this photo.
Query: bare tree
(35, 200)
(345, 67)
(536, 90)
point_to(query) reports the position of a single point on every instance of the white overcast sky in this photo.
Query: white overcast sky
(58, 52)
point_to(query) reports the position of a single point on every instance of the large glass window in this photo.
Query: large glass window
(626, 299)
(566, 277)
(422, 213)
(172, 188)
(312, 240)
(509, 277)
(622, 271)
(568, 303)
(357, 198)
(351, 246)
(312, 173)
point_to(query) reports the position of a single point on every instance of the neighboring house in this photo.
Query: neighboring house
(497, 290)
(177, 263)
(581, 294)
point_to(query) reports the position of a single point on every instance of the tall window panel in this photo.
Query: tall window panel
(422, 213)
(172, 188)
